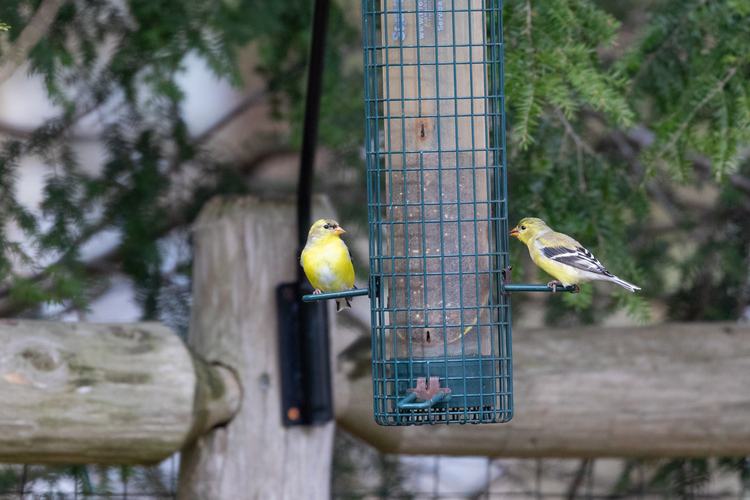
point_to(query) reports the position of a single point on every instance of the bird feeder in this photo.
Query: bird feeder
(438, 212)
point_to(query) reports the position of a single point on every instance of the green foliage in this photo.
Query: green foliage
(284, 65)
(713, 278)
(147, 142)
(692, 64)
(551, 63)
(687, 80)
(8, 479)
(124, 60)
(553, 77)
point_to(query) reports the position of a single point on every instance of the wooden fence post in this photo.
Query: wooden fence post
(244, 247)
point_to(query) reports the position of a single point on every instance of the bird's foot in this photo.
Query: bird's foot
(553, 285)
(576, 289)
(317, 291)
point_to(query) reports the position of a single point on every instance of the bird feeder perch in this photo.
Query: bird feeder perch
(438, 212)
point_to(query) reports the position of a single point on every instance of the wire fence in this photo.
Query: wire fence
(360, 473)
(90, 482)
(367, 495)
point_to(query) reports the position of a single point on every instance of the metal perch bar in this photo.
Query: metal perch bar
(538, 288)
(336, 295)
(406, 403)
(364, 291)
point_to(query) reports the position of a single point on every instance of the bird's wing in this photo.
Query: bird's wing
(574, 255)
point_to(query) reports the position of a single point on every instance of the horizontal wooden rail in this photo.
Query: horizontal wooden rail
(668, 390)
(104, 393)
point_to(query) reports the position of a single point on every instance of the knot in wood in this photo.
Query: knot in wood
(40, 359)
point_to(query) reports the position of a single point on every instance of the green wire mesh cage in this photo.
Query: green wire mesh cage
(437, 201)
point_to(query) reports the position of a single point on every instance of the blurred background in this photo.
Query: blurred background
(628, 127)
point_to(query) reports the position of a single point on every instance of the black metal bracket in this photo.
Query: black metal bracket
(507, 275)
(305, 366)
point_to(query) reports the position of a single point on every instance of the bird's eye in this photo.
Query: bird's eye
(523, 227)
(326, 227)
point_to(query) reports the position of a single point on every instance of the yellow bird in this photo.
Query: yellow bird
(327, 260)
(562, 256)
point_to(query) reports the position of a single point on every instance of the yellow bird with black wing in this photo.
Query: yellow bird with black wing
(562, 257)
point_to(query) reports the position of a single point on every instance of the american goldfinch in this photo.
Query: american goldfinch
(562, 256)
(327, 261)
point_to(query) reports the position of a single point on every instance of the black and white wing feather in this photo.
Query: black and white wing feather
(577, 257)
(580, 258)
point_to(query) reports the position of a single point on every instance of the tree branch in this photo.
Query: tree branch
(666, 43)
(652, 188)
(530, 50)
(703, 166)
(108, 263)
(719, 88)
(33, 32)
(248, 102)
(581, 145)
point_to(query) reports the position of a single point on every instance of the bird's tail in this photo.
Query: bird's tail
(627, 286)
(346, 301)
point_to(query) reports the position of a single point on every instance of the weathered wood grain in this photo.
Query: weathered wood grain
(670, 390)
(245, 247)
(103, 393)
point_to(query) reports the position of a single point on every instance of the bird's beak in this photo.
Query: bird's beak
(339, 230)
(514, 232)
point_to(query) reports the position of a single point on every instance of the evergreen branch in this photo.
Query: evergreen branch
(744, 104)
(101, 266)
(528, 24)
(703, 166)
(526, 112)
(581, 145)
(644, 139)
(107, 264)
(719, 88)
(37, 27)
(13, 131)
(530, 98)
(248, 102)
(740, 181)
(723, 160)
(666, 43)
(26, 133)
(652, 187)
(9, 308)
(562, 146)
